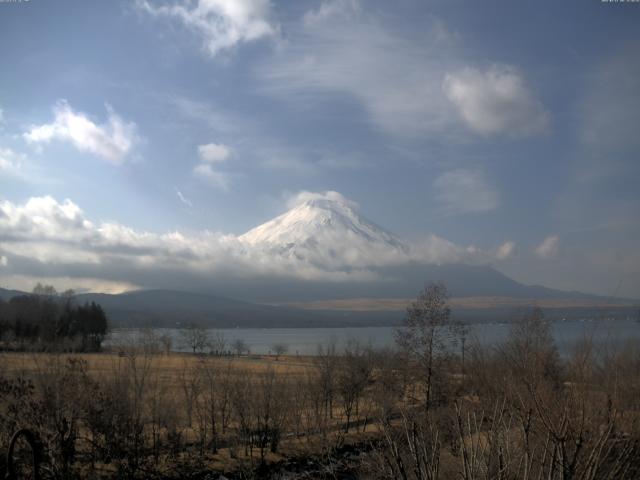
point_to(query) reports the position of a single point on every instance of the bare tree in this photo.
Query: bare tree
(44, 290)
(190, 382)
(412, 448)
(218, 342)
(270, 409)
(240, 346)
(530, 349)
(166, 341)
(279, 349)
(427, 332)
(148, 341)
(353, 378)
(214, 401)
(326, 360)
(195, 337)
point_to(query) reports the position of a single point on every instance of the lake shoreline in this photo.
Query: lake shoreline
(306, 340)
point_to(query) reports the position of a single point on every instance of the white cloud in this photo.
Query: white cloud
(438, 250)
(330, 195)
(44, 235)
(221, 24)
(506, 250)
(211, 154)
(112, 140)
(464, 191)
(215, 178)
(549, 247)
(183, 199)
(43, 218)
(214, 152)
(11, 162)
(3, 261)
(495, 101)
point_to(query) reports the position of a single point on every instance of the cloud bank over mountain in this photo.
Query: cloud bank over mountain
(321, 238)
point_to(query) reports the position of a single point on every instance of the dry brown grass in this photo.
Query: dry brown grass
(166, 375)
(169, 365)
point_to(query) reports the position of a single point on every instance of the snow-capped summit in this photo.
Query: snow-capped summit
(326, 229)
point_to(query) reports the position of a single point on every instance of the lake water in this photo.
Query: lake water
(305, 341)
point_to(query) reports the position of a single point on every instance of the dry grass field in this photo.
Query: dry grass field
(415, 413)
(169, 366)
(180, 402)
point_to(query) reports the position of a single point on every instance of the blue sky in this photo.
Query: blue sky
(508, 127)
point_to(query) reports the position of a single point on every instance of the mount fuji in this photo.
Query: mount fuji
(319, 219)
(328, 233)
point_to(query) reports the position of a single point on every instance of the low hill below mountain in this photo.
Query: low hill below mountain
(171, 308)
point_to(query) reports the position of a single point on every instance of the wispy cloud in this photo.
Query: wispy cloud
(308, 161)
(221, 24)
(602, 192)
(464, 191)
(11, 162)
(506, 250)
(548, 248)
(496, 101)
(215, 178)
(200, 111)
(112, 140)
(610, 109)
(340, 48)
(210, 155)
(214, 152)
(183, 199)
(303, 196)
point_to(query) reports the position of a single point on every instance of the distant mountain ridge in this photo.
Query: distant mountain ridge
(403, 281)
(171, 308)
(7, 294)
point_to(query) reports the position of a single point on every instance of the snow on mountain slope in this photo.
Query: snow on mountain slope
(323, 236)
(328, 232)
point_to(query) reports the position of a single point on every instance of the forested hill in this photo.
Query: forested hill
(46, 320)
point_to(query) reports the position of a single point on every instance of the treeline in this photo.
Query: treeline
(46, 319)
